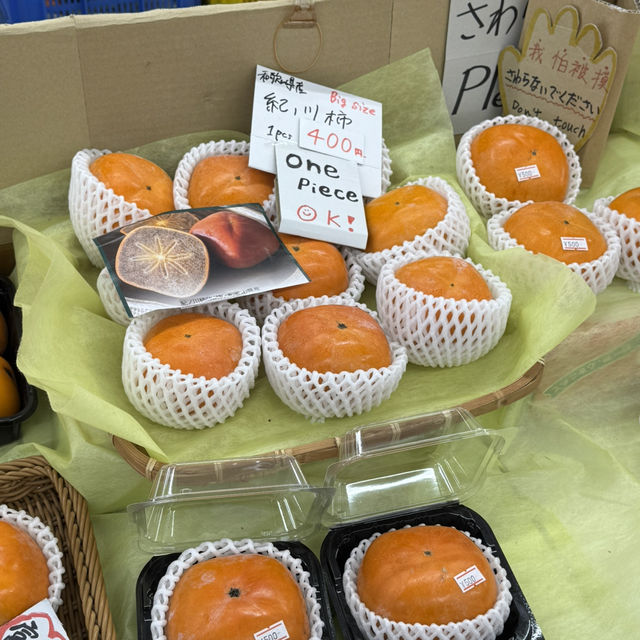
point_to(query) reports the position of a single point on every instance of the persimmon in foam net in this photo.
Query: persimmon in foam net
(227, 547)
(450, 234)
(628, 231)
(183, 401)
(94, 209)
(320, 395)
(486, 626)
(438, 331)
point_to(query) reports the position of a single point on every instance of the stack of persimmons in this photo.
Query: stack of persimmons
(325, 353)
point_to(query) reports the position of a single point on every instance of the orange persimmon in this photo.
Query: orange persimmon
(334, 337)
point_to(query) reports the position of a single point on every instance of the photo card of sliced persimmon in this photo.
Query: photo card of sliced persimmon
(183, 258)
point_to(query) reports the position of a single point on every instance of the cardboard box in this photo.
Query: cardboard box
(118, 81)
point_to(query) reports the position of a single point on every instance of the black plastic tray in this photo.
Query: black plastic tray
(10, 426)
(337, 546)
(157, 566)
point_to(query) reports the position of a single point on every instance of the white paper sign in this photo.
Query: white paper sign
(40, 622)
(282, 101)
(477, 32)
(319, 197)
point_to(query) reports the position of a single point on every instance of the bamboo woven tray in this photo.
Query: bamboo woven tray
(327, 448)
(33, 485)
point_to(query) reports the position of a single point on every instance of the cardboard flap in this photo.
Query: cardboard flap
(117, 81)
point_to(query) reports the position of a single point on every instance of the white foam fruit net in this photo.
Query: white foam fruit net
(386, 168)
(486, 202)
(227, 547)
(437, 331)
(320, 395)
(95, 209)
(450, 234)
(189, 161)
(260, 305)
(183, 401)
(45, 539)
(597, 273)
(628, 231)
(110, 299)
(486, 626)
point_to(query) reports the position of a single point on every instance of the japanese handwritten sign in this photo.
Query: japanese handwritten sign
(478, 30)
(37, 623)
(289, 110)
(320, 197)
(562, 74)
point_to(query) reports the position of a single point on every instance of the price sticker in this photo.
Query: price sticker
(469, 578)
(574, 244)
(530, 172)
(277, 631)
(325, 139)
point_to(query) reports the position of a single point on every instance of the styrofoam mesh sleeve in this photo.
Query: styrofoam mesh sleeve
(386, 168)
(183, 401)
(486, 626)
(437, 331)
(189, 161)
(486, 202)
(450, 234)
(628, 231)
(110, 299)
(227, 547)
(45, 539)
(95, 209)
(326, 395)
(260, 305)
(597, 273)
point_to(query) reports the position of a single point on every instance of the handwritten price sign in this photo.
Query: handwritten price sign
(324, 139)
(288, 110)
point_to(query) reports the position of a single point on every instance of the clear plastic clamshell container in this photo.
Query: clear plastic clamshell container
(430, 459)
(423, 460)
(411, 472)
(263, 498)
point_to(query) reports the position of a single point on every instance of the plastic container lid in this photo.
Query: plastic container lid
(382, 468)
(429, 459)
(263, 498)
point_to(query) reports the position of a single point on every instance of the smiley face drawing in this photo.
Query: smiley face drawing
(306, 213)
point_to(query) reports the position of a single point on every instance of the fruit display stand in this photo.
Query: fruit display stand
(560, 498)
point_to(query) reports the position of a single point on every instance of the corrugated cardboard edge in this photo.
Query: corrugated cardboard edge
(119, 81)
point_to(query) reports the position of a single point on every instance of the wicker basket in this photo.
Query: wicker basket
(327, 448)
(33, 485)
